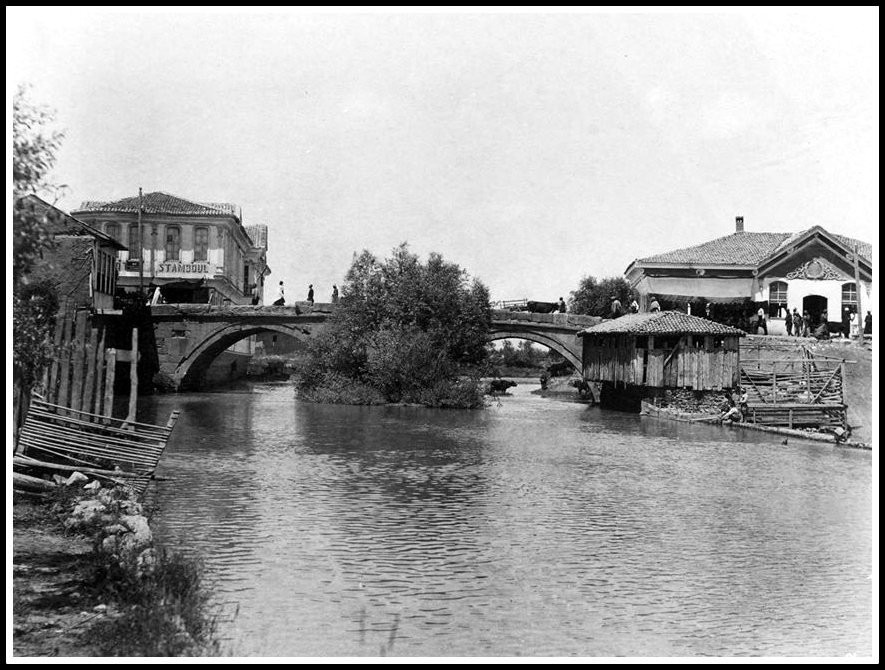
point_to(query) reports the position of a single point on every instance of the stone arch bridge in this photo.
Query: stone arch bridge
(189, 337)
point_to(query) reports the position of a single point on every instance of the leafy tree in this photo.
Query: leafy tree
(34, 145)
(594, 297)
(34, 302)
(404, 329)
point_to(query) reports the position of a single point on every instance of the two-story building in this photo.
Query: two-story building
(813, 271)
(190, 252)
(194, 252)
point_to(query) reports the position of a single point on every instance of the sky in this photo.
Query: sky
(531, 148)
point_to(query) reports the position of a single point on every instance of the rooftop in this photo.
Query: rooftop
(744, 248)
(159, 202)
(661, 323)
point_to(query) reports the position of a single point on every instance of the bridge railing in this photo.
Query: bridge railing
(508, 304)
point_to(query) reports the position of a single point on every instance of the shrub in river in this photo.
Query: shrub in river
(405, 329)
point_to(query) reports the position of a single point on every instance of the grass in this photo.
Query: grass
(166, 613)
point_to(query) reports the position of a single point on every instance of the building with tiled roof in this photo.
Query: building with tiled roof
(812, 271)
(664, 323)
(667, 349)
(190, 251)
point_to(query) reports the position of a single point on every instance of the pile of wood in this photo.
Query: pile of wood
(56, 440)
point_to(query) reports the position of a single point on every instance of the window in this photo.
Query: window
(201, 243)
(777, 298)
(849, 297)
(113, 230)
(134, 242)
(173, 243)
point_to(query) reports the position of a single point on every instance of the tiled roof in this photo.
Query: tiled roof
(64, 223)
(162, 203)
(748, 249)
(864, 248)
(258, 234)
(661, 323)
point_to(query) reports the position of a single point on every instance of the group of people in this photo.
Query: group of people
(617, 309)
(849, 323)
(281, 295)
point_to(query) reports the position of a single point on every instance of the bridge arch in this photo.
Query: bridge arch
(549, 341)
(198, 359)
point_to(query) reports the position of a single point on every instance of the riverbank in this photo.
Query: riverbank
(89, 580)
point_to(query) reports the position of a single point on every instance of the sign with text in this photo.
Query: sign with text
(178, 268)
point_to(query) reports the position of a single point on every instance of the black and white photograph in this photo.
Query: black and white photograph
(453, 334)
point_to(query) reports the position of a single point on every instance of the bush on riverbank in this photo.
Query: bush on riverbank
(406, 332)
(157, 601)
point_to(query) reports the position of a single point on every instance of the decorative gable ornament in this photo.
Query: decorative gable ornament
(817, 268)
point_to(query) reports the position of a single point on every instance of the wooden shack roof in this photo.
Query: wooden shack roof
(660, 323)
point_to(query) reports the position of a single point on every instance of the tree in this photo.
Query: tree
(34, 146)
(404, 329)
(34, 302)
(594, 298)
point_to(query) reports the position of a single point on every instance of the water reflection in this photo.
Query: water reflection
(535, 527)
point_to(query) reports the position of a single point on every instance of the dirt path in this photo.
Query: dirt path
(52, 607)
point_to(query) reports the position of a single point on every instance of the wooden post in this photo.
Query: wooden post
(78, 351)
(89, 384)
(110, 373)
(65, 365)
(100, 371)
(133, 379)
(55, 368)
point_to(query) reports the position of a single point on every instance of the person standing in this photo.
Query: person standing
(868, 324)
(788, 322)
(310, 294)
(846, 322)
(562, 307)
(797, 323)
(334, 294)
(281, 297)
(760, 321)
(653, 306)
(806, 323)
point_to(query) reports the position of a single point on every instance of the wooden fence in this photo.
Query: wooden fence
(793, 392)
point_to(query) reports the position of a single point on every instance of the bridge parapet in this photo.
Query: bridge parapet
(173, 310)
(577, 320)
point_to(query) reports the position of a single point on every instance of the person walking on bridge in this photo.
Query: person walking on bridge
(281, 298)
(310, 294)
(562, 307)
(334, 294)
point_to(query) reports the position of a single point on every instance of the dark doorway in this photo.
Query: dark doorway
(815, 305)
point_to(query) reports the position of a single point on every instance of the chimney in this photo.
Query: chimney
(738, 224)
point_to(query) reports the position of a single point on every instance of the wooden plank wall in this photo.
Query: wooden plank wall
(689, 367)
(81, 377)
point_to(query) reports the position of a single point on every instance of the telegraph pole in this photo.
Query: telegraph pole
(857, 284)
(140, 248)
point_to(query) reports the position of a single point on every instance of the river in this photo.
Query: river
(536, 527)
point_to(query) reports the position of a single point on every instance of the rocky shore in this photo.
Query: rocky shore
(89, 579)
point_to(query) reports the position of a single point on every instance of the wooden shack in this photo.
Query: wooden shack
(662, 350)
